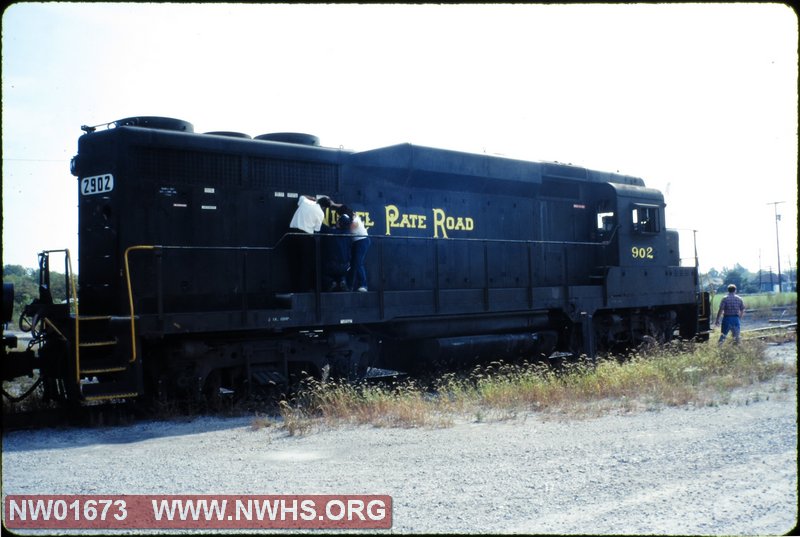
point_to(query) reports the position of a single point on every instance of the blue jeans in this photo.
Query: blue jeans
(730, 323)
(358, 274)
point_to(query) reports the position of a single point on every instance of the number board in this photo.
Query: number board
(97, 184)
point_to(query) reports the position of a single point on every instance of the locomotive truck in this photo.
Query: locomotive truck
(183, 279)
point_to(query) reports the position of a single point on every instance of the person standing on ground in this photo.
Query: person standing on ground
(731, 309)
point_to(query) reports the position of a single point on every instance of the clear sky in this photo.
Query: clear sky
(700, 100)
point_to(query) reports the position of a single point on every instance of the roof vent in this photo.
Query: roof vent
(229, 134)
(290, 138)
(154, 122)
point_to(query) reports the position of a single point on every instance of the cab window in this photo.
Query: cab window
(645, 219)
(606, 219)
(605, 222)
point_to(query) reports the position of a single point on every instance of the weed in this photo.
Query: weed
(296, 421)
(675, 375)
(261, 421)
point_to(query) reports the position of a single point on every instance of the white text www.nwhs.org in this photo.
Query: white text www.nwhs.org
(268, 510)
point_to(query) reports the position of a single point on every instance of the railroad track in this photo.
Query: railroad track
(779, 332)
(781, 326)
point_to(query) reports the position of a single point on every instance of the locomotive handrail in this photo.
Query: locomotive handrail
(130, 295)
(380, 238)
(151, 247)
(484, 242)
(406, 237)
(77, 318)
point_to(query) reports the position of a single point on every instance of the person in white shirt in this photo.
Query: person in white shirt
(309, 215)
(306, 221)
(357, 278)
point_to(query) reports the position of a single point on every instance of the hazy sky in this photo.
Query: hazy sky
(700, 100)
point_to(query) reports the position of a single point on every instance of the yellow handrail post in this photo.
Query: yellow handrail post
(130, 295)
(77, 315)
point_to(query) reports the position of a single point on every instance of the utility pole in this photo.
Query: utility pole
(777, 241)
(760, 273)
(696, 262)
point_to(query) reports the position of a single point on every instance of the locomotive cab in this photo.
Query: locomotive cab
(646, 293)
(641, 238)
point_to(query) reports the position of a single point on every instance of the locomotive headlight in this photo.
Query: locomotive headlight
(73, 166)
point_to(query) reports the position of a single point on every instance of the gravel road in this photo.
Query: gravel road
(728, 469)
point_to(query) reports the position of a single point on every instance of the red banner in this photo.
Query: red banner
(192, 511)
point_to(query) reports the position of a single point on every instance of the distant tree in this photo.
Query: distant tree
(710, 281)
(26, 286)
(738, 276)
(16, 271)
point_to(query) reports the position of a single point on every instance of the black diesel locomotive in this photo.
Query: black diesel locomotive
(184, 282)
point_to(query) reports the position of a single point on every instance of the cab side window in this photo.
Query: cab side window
(605, 223)
(645, 219)
(606, 220)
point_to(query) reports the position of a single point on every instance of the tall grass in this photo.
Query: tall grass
(404, 404)
(700, 374)
(760, 301)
